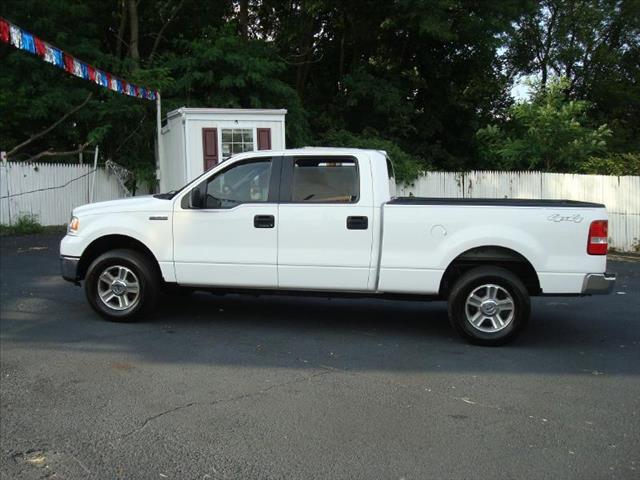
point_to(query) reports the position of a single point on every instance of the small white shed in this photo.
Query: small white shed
(196, 139)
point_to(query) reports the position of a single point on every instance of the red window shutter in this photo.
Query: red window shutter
(264, 139)
(209, 147)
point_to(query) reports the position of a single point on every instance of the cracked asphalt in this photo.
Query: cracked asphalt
(278, 387)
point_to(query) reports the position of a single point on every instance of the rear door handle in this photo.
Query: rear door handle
(357, 223)
(264, 221)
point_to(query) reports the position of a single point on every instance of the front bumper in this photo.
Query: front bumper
(598, 283)
(69, 268)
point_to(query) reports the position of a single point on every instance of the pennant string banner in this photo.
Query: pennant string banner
(22, 40)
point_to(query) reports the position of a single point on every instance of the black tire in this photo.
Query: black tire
(497, 331)
(139, 270)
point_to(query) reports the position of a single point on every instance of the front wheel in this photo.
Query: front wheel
(489, 306)
(122, 285)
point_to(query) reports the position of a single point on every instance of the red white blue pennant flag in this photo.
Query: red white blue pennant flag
(22, 40)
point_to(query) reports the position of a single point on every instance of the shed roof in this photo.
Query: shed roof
(226, 111)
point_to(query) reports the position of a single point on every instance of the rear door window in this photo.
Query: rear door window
(325, 180)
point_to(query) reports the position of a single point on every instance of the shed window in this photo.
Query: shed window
(236, 140)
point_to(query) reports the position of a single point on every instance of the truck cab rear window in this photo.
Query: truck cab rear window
(328, 180)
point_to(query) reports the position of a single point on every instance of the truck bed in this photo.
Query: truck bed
(423, 236)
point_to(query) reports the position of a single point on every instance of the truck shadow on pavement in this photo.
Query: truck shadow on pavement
(38, 310)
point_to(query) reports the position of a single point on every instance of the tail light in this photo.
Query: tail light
(598, 238)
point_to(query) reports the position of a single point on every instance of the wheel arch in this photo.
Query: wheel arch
(491, 255)
(106, 243)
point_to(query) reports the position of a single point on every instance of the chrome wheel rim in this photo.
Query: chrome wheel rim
(118, 288)
(489, 308)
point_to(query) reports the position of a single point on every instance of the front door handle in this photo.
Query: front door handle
(264, 221)
(357, 223)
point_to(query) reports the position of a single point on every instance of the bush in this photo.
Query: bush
(27, 223)
(614, 164)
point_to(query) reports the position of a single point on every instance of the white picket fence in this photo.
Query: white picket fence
(621, 195)
(50, 191)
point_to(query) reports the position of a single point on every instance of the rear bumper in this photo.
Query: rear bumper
(598, 283)
(69, 268)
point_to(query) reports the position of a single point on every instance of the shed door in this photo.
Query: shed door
(264, 138)
(209, 147)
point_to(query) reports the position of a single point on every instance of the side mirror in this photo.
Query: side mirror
(195, 198)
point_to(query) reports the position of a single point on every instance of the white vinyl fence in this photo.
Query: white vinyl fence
(50, 191)
(621, 195)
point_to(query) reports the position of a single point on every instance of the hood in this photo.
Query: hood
(147, 203)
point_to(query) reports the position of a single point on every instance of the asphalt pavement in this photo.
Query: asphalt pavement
(263, 387)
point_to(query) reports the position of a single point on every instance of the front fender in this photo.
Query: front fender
(154, 231)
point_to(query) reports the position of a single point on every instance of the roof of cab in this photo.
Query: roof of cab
(308, 151)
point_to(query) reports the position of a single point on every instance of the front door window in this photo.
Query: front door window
(246, 182)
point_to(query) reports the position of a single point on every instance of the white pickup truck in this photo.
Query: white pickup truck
(327, 220)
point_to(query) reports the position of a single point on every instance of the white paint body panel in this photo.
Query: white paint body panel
(128, 217)
(406, 248)
(414, 256)
(316, 251)
(222, 247)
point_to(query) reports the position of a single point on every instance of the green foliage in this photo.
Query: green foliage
(26, 224)
(614, 164)
(220, 68)
(406, 166)
(550, 133)
(595, 44)
(430, 79)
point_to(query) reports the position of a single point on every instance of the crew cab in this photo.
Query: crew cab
(327, 220)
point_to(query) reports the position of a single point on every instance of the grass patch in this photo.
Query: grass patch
(26, 224)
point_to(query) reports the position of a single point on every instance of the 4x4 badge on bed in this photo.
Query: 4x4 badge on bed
(556, 217)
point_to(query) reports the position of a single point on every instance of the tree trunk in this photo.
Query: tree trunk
(160, 34)
(121, 28)
(548, 44)
(134, 52)
(302, 75)
(304, 66)
(341, 64)
(243, 19)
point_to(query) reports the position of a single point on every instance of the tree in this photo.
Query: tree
(422, 77)
(595, 45)
(549, 133)
(224, 69)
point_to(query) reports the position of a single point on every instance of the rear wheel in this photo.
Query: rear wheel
(489, 306)
(122, 285)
